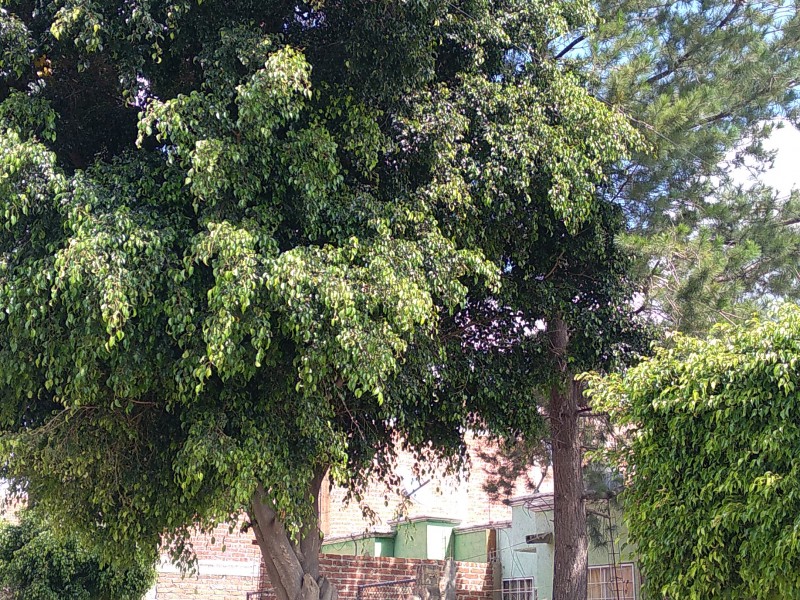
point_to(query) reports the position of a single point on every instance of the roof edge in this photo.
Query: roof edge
(535, 502)
(396, 522)
(354, 537)
(483, 526)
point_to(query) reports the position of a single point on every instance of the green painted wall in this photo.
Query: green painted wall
(624, 551)
(411, 540)
(471, 545)
(427, 538)
(384, 546)
(362, 547)
(366, 546)
(430, 538)
(521, 560)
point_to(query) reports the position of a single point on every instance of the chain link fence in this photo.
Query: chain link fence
(401, 589)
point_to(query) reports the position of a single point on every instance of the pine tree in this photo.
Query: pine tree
(705, 83)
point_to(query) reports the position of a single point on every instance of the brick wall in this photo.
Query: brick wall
(228, 575)
(238, 546)
(473, 580)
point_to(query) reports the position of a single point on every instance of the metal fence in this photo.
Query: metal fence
(387, 590)
(402, 589)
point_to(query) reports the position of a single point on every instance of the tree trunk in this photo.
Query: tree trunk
(293, 567)
(569, 515)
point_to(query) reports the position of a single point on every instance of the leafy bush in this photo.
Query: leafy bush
(38, 564)
(714, 430)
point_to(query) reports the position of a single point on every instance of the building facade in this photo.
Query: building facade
(525, 553)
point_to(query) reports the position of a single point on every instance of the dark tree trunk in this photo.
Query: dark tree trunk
(293, 567)
(569, 516)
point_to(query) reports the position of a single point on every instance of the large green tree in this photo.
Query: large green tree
(712, 460)
(704, 84)
(237, 241)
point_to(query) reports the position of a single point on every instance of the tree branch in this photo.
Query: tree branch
(789, 222)
(571, 45)
(689, 53)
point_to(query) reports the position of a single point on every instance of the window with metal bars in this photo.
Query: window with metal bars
(519, 589)
(611, 582)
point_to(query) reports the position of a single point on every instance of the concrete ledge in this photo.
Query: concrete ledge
(483, 526)
(249, 568)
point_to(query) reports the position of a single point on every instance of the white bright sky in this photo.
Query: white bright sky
(785, 173)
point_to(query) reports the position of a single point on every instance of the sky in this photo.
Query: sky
(785, 173)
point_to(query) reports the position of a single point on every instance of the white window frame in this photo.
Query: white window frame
(618, 567)
(511, 589)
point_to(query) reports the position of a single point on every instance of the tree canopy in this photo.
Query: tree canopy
(245, 243)
(712, 460)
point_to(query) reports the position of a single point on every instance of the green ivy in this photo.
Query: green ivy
(712, 460)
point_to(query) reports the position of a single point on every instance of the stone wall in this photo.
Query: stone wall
(172, 586)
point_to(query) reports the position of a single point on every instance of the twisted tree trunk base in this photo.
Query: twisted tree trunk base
(293, 567)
